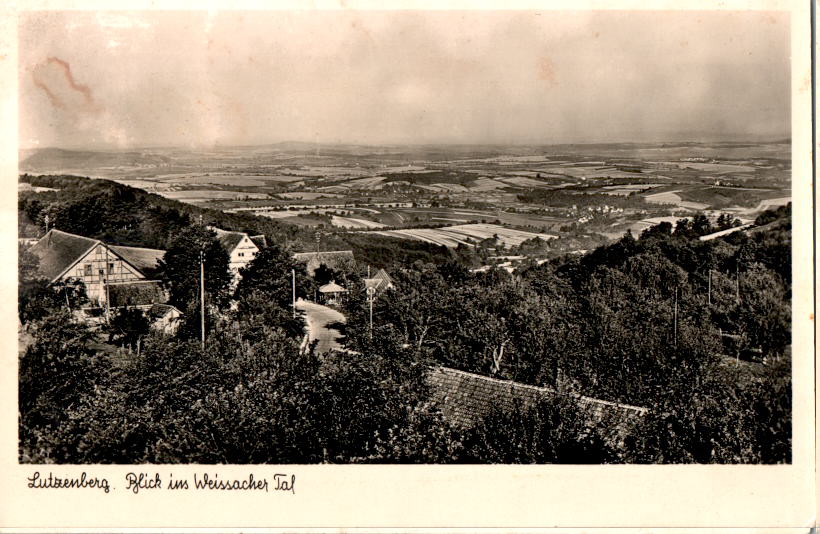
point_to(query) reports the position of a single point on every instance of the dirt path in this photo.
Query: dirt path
(317, 318)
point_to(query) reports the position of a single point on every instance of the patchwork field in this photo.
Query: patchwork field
(672, 197)
(465, 234)
(718, 168)
(350, 222)
(204, 195)
(575, 191)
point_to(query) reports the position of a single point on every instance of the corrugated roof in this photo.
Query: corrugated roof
(465, 398)
(382, 275)
(59, 250)
(144, 259)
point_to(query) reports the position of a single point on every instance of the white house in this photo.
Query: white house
(241, 248)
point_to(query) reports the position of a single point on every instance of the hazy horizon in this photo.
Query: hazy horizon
(154, 79)
(102, 148)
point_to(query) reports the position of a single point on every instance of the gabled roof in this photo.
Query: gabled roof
(229, 240)
(380, 281)
(382, 275)
(465, 398)
(144, 259)
(372, 282)
(157, 311)
(59, 250)
(332, 287)
(259, 240)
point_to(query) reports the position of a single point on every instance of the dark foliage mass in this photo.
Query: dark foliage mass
(123, 215)
(698, 332)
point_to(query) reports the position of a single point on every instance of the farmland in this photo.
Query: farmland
(467, 234)
(456, 195)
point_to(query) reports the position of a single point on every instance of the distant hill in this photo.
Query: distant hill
(50, 159)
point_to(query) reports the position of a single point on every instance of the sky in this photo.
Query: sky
(199, 79)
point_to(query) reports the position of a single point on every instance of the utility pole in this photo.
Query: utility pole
(371, 291)
(676, 317)
(202, 296)
(710, 287)
(202, 289)
(293, 274)
(107, 292)
(737, 281)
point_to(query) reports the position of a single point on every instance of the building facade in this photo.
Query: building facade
(241, 249)
(66, 257)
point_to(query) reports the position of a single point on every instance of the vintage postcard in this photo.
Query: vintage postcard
(408, 266)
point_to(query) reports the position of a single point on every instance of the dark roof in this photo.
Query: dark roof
(260, 241)
(338, 260)
(59, 250)
(144, 259)
(136, 293)
(157, 311)
(229, 240)
(322, 256)
(465, 398)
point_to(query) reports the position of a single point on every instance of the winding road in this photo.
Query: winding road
(317, 318)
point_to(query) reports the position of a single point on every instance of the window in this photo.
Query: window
(241, 254)
(110, 267)
(87, 271)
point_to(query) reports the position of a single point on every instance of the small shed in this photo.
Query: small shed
(332, 292)
(164, 318)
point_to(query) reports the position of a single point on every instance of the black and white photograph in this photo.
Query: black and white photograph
(342, 265)
(405, 237)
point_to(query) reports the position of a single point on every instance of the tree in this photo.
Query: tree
(764, 313)
(701, 225)
(324, 275)
(127, 327)
(269, 274)
(35, 299)
(56, 371)
(555, 430)
(179, 269)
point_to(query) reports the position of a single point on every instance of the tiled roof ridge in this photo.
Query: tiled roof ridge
(539, 389)
(128, 247)
(323, 252)
(58, 231)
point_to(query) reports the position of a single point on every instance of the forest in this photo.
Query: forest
(116, 213)
(698, 332)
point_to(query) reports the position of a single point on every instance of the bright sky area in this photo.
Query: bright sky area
(152, 78)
